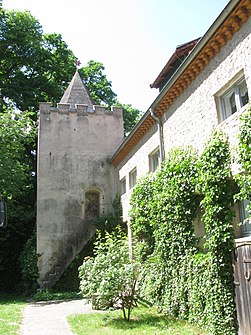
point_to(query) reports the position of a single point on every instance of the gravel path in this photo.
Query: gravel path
(49, 318)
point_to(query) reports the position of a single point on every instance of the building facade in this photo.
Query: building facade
(209, 89)
(84, 161)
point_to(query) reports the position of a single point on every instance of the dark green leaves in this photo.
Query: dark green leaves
(184, 282)
(17, 135)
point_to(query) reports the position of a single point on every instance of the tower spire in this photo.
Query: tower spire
(77, 93)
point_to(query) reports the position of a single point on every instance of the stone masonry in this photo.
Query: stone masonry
(76, 140)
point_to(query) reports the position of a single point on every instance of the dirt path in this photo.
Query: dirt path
(49, 318)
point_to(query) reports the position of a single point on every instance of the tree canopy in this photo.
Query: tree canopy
(33, 66)
(17, 151)
(37, 67)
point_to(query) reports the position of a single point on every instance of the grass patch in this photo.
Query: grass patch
(145, 321)
(11, 312)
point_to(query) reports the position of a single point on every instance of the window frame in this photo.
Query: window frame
(245, 221)
(234, 88)
(132, 177)
(152, 160)
(123, 185)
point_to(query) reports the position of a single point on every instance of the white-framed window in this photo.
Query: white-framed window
(234, 98)
(154, 160)
(244, 214)
(123, 185)
(132, 177)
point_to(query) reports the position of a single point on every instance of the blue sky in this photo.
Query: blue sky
(132, 38)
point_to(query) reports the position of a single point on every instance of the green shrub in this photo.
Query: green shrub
(109, 275)
(28, 263)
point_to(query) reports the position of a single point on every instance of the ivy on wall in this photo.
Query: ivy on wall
(176, 275)
(243, 179)
(217, 191)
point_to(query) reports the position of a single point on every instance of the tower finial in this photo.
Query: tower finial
(77, 63)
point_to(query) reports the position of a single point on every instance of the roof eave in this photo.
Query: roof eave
(195, 51)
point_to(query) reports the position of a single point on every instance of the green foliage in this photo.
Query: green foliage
(98, 85)
(48, 295)
(142, 215)
(28, 264)
(38, 67)
(131, 116)
(163, 209)
(210, 297)
(109, 222)
(214, 170)
(175, 275)
(109, 275)
(243, 179)
(17, 186)
(218, 216)
(33, 67)
(69, 281)
(21, 223)
(17, 137)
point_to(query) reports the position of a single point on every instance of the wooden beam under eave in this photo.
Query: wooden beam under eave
(187, 78)
(179, 87)
(216, 46)
(221, 38)
(211, 51)
(242, 12)
(169, 101)
(191, 73)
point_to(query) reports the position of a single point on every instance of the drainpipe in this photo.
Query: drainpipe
(161, 137)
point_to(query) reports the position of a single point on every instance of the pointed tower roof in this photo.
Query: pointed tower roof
(76, 93)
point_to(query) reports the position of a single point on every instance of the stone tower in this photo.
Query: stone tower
(76, 183)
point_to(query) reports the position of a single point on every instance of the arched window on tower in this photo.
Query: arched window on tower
(92, 204)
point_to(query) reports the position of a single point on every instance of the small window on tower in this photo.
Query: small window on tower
(92, 204)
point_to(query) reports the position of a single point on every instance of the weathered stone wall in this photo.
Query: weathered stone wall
(139, 158)
(192, 117)
(74, 148)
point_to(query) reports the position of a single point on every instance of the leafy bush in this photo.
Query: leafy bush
(109, 275)
(28, 263)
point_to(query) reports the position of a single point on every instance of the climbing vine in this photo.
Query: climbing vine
(185, 281)
(215, 185)
(163, 210)
(243, 179)
(214, 173)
